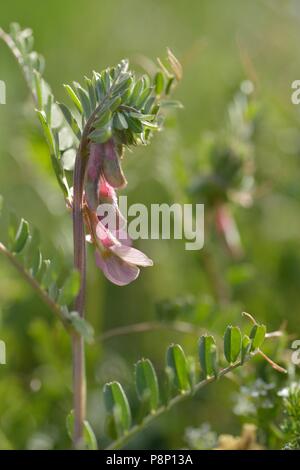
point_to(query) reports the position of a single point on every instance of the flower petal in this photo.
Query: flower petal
(109, 210)
(123, 237)
(111, 166)
(131, 255)
(106, 192)
(93, 174)
(116, 270)
(105, 236)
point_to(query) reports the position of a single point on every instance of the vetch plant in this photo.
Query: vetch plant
(112, 111)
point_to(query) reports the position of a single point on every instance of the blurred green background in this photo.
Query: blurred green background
(219, 44)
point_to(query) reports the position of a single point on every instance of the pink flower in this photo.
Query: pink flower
(104, 173)
(120, 263)
(116, 258)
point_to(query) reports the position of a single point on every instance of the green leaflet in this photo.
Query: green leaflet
(83, 96)
(257, 335)
(146, 383)
(92, 93)
(99, 136)
(76, 101)
(89, 438)
(208, 356)
(159, 82)
(70, 120)
(246, 348)
(120, 121)
(232, 343)
(140, 102)
(103, 119)
(117, 407)
(21, 237)
(177, 362)
(136, 92)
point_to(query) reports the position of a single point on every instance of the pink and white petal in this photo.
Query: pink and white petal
(131, 255)
(114, 216)
(123, 237)
(105, 236)
(116, 270)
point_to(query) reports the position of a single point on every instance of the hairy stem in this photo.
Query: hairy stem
(80, 264)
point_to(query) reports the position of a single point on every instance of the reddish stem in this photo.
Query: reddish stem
(79, 382)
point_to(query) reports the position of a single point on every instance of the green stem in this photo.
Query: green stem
(55, 308)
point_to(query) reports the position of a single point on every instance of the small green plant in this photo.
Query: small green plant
(184, 376)
(291, 423)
